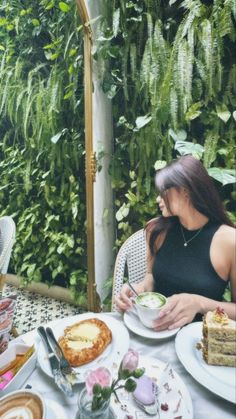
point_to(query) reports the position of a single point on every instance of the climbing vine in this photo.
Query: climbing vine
(42, 140)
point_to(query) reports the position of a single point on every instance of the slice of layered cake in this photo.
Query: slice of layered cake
(219, 339)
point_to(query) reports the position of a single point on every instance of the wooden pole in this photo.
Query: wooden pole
(90, 163)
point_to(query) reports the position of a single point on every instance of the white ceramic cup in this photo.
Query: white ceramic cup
(148, 306)
(26, 404)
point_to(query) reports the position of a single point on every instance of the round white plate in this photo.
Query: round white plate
(54, 410)
(134, 324)
(154, 369)
(219, 380)
(113, 353)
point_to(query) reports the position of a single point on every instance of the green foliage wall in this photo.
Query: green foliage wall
(171, 74)
(42, 139)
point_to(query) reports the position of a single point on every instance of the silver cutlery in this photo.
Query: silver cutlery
(59, 378)
(152, 409)
(65, 366)
(132, 288)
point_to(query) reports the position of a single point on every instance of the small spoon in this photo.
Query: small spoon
(132, 288)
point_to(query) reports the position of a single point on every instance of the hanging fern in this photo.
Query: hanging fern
(181, 68)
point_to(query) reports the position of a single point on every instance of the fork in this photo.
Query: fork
(64, 364)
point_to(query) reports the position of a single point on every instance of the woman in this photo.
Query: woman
(191, 247)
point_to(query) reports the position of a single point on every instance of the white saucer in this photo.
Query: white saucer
(54, 410)
(134, 324)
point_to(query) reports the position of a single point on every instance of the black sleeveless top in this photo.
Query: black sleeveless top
(179, 269)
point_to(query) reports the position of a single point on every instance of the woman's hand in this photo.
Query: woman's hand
(179, 310)
(124, 299)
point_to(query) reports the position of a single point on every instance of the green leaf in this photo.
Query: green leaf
(234, 115)
(223, 113)
(68, 95)
(179, 135)
(31, 269)
(56, 137)
(159, 164)
(64, 6)
(50, 5)
(54, 56)
(116, 21)
(224, 176)
(106, 393)
(3, 21)
(72, 52)
(10, 27)
(112, 91)
(97, 389)
(122, 212)
(49, 46)
(35, 22)
(193, 112)
(185, 147)
(141, 121)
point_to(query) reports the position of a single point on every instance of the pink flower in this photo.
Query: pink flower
(100, 376)
(130, 360)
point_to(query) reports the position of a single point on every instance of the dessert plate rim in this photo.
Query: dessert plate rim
(188, 354)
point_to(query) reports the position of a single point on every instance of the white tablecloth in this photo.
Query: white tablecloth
(206, 405)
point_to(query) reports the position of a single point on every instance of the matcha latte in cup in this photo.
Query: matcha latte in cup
(148, 306)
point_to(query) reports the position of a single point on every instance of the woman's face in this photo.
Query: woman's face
(177, 200)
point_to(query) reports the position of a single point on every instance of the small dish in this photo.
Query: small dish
(23, 373)
(134, 324)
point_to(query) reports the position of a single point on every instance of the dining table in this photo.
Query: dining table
(206, 404)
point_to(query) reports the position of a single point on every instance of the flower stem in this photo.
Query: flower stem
(117, 398)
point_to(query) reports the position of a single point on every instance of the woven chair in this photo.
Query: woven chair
(132, 255)
(7, 239)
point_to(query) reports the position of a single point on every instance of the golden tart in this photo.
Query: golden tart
(84, 341)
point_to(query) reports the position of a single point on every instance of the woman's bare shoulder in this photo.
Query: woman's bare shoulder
(226, 234)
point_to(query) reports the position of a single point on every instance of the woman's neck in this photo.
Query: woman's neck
(193, 219)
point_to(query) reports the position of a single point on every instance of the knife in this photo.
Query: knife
(65, 366)
(59, 379)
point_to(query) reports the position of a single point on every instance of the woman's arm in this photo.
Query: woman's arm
(206, 304)
(124, 299)
(182, 308)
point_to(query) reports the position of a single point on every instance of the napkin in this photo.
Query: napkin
(170, 398)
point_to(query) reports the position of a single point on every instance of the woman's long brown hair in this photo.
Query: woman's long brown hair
(189, 173)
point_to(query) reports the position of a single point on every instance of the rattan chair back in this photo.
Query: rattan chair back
(130, 260)
(7, 239)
